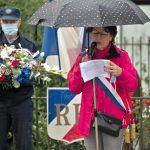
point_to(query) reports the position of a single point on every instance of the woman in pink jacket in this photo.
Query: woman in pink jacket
(126, 82)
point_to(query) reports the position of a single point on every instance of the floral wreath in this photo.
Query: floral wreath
(20, 66)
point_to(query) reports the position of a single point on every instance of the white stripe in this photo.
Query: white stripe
(36, 54)
(69, 40)
(81, 34)
(113, 91)
(57, 132)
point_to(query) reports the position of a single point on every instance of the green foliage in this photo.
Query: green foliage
(142, 106)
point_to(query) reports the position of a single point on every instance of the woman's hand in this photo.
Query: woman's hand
(113, 69)
(85, 58)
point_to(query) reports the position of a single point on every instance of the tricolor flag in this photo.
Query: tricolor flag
(62, 46)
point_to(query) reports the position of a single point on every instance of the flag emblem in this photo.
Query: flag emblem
(62, 114)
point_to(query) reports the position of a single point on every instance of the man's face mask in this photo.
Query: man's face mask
(10, 29)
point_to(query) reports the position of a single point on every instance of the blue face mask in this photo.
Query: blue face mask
(10, 29)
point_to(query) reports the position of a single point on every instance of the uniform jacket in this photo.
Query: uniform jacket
(16, 95)
(125, 83)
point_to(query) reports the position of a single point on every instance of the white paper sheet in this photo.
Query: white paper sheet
(94, 68)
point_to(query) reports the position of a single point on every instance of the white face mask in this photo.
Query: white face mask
(10, 29)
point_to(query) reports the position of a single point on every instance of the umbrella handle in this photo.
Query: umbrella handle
(95, 118)
(36, 26)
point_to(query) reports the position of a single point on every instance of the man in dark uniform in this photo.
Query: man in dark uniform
(15, 104)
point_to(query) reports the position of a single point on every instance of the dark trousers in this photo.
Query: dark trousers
(18, 118)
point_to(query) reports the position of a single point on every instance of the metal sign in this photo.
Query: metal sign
(62, 114)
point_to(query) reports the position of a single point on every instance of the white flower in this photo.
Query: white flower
(46, 79)
(33, 63)
(9, 50)
(46, 66)
(4, 54)
(37, 74)
(16, 84)
(55, 68)
(16, 73)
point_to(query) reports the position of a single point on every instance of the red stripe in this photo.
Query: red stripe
(72, 134)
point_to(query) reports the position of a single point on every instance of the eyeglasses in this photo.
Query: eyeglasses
(101, 34)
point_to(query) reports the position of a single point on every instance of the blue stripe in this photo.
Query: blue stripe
(86, 40)
(58, 96)
(111, 96)
(37, 56)
(50, 43)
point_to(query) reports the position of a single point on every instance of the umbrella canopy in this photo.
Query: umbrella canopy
(88, 13)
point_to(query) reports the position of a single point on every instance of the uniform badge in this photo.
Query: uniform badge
(8, 11)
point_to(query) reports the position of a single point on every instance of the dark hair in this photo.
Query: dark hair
(112, 53)
(112, 30)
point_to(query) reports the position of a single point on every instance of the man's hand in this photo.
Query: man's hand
(85, 58)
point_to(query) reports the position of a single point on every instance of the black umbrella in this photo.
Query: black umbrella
(89, 13)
